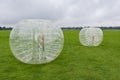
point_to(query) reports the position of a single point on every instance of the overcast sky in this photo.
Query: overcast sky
(63, 12)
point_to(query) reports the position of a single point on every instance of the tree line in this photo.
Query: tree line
(101, 27)
(5, 28)
(73, 28)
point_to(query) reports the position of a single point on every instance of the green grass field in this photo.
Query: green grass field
(76, 62)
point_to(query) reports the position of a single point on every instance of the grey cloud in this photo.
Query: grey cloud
(63, 12)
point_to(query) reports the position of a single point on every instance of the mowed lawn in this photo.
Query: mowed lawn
(76, 62)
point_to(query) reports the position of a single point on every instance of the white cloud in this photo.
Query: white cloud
(63, 12)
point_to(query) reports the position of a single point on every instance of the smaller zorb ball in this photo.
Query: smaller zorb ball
(36, 41)
(91, 36)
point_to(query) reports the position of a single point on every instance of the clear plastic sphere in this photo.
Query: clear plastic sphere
(91, 36)
(36, 41)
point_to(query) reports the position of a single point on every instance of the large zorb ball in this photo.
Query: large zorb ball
(36, 41)
(91, 36)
